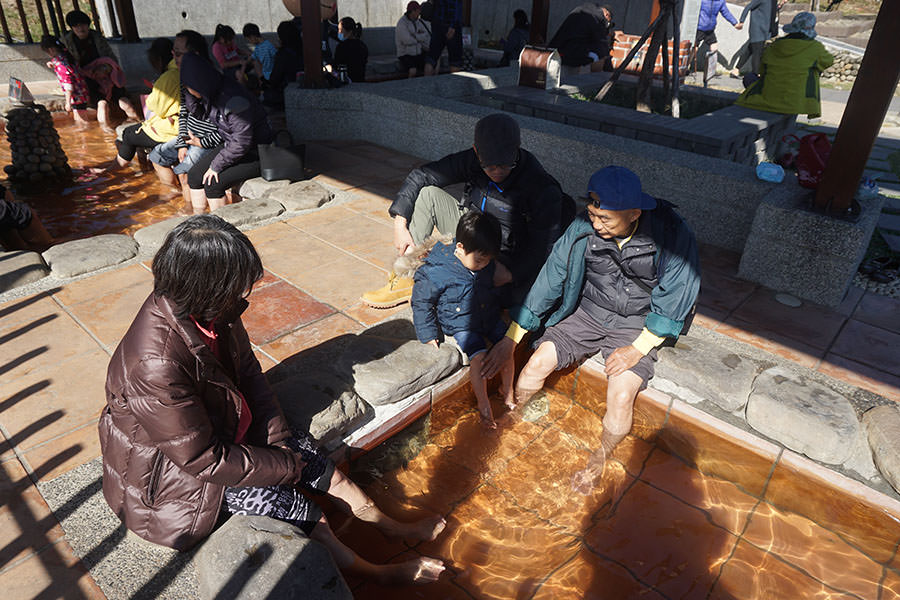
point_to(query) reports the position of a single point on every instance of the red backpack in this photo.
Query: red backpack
(810, 158)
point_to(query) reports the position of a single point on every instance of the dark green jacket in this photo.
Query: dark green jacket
(558, 286)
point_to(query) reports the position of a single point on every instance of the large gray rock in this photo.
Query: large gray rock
(19, 268)
(697, 369)
(302, 195)
(250, 211)
(803, 415)
(322, 404)
(78, 257)
(882, 425)
(251, 558)
(257, 188)
(387, 363)
(151, 237)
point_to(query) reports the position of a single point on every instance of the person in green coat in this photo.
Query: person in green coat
(791, 65)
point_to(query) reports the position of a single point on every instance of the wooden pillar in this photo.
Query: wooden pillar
(125, 10)
(868, 103)
(312, 43)
(540, 16)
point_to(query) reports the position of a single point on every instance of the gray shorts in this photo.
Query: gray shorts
(579, 336)
(166, 155)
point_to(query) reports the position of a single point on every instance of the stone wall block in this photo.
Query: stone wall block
(78, 257)
(302, 195)
(257, 558)
(257, 188)
(322, 404)
(705, 371)
(803, 415)
(250, 211)
(387, 363)
(19, 268)
(151, 237)
(882, 425)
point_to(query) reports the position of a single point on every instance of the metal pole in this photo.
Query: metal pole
(868, 103)
(312, 43)
(56, 24)
(42, 17)
(112, 18)
(95, 16)
(5, 26)
(21, 10)
(676, 62)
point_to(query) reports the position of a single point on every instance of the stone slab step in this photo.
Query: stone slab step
(18, 268)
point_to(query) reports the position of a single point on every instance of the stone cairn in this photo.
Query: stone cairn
(844, 69)
(37, 155)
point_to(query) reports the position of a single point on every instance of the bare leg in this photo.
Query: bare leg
(35, 234)
(128, 108)
(620, 394)
(411, 73)
(417, 570)
(166, 175)
(103, 115)
(215, 203)
(479, 386)
(81, 117)
(507, 378)
(185, 189)
(198, 201)
(353, 501)
(429, 69)
(539, 366)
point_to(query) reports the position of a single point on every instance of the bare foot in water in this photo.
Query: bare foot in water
(418, 571)
(509, 398)
(426, 529)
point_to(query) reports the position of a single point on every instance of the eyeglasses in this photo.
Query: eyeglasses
(508, 167)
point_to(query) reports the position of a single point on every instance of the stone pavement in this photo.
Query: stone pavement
(55, 343)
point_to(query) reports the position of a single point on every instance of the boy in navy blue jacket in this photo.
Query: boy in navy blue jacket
(454, 295)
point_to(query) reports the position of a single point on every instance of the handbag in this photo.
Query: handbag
(282, 160)
(810, 160)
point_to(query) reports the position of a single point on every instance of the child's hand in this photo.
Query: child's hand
(433, 343)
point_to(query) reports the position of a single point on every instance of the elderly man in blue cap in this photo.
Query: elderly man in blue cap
(622, 278)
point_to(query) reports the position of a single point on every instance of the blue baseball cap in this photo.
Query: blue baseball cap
(619, 189)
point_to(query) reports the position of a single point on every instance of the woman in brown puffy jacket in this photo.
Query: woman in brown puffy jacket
(191, 429)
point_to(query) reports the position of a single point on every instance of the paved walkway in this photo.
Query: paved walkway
(54, 345)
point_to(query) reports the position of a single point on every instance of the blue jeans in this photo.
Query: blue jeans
(166, 155)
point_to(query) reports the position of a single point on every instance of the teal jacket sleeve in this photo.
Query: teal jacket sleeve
(679, 283)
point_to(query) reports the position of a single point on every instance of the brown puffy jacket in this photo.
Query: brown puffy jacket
(167, 431)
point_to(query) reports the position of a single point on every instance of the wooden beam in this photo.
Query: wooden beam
(127, 22)
(866, 108)
(540, 15)
(312, 43)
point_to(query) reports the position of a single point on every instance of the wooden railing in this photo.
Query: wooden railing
(35, 18)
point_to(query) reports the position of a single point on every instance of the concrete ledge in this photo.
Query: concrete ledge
(431, 117)
(793, 249)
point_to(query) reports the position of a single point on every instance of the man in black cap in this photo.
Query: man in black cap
(622, 278)
(502, 180)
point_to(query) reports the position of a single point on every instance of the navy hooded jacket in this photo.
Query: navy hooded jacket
(448, 298)
(240, 118)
